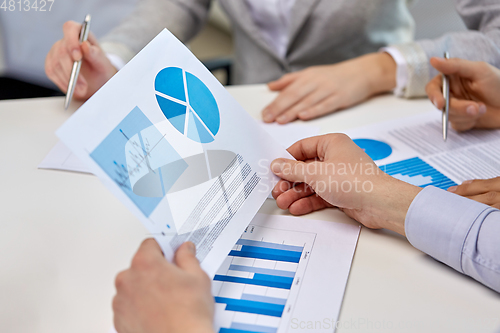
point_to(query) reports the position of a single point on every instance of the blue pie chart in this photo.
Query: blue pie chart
(188, 104)
(377, 150)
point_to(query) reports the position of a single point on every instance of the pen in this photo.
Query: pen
(84, 34)
(446, 95)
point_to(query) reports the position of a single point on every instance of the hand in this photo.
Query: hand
(485, 191)
(332, 171)
(96, 67)
(320, 90)
(154, 295)
(474, 97)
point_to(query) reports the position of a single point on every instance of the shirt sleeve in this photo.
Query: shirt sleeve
(401, 71)
(457, 231)
(481, 42)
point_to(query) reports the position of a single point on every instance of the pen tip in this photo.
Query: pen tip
(87, 18)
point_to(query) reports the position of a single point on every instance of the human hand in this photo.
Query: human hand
(474, 97)
(96, 68)
(154, 295)
(485, 191)
(332, 171)
(319, 90)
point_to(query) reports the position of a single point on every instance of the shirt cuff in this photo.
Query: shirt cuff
(401, 71)
(116, 61)
(438, 222)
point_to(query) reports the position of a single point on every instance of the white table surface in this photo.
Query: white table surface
(64, 237)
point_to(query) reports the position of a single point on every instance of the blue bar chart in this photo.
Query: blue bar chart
(255, 284)
(418, 172)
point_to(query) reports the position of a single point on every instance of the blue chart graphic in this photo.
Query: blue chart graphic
(377, 150)
(188, 104)
(417, 172)
(264, 277)
(140, 160)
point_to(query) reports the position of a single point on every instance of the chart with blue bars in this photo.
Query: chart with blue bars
(255, 288)
(418, 172)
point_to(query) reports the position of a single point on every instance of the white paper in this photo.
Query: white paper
(319, 278)
(61, 158)
(174, 146)
(412, 149)
(313, 287)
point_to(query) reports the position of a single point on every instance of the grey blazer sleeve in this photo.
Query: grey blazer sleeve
(480, 43)
(184, 18)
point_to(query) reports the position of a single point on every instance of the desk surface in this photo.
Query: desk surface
(64, 237)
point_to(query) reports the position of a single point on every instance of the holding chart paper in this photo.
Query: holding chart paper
(169, 141)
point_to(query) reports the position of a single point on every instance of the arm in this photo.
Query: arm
(332, 171)
(184, 18)
(480, 43)
(459, 232)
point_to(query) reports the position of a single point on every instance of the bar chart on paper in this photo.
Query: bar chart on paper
(256, 287)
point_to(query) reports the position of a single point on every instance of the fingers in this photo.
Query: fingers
(310, 148)
(301, 107)
(71, 39)
(461, 67)
(185, 257)
(464, 114)
(281, 83)
(434, 90)
(308, 205)
(475, 187)
(286, 199)
(149, 252)
(294, 171)
(489, 198)
(287, 98)
(328, 105)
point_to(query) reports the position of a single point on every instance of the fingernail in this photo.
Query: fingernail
(482, 109)
(467, 182)
(276, 167)
(268, 117)
(435, 103)
(453, 189)
(303, 114)
(471, 110)
(76, 55)
(281, 119)
(191, 247)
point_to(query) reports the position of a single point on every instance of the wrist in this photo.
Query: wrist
(382, 72)
(391, 202)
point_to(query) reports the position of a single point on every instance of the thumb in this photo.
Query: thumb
(185, 257)
(295, 171)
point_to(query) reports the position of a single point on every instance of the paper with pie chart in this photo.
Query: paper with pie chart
(167, 139)
(412, 150)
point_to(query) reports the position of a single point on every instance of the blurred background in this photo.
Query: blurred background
(27, 36)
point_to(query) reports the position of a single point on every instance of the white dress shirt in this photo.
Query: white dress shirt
(462, 233)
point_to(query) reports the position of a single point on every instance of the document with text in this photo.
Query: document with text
(412, 149)
(167, 139)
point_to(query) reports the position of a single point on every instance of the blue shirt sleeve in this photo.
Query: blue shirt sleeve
(460, 232)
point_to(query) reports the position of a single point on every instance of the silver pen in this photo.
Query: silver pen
(446, 95)
(84, 35)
